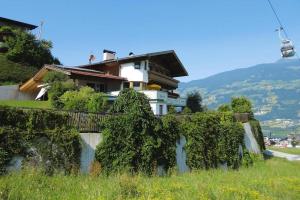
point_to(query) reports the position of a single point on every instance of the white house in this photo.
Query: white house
(152, 74)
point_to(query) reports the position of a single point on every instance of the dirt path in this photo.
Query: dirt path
(290, 157)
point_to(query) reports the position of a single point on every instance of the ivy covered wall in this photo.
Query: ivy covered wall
(42, 137)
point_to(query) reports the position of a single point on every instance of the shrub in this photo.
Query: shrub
(194, 101)
(59, 84)
(86, 99)
(212, 138)
(171, 110)
(53, 76)
(241, 105)
(186, 111)
(294, 142)
(24, 48)
(57, 89)
(14, 73)
(136, 140)
(224, 108)
(169, 135)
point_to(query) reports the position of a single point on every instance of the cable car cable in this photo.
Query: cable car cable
(281, 24)
(277, 17)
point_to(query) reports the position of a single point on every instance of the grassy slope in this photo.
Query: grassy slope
(13, 73)
(272, 179)
(26, 104)
(295, 151)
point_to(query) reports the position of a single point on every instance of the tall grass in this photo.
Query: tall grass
(271, 179)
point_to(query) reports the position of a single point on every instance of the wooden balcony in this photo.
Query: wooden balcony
(163, 80)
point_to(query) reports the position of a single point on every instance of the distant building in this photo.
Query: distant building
(152, 74)
(14, 24)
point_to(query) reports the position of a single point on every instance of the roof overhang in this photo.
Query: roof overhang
(32, 84)
(9, 22)
(167, 59)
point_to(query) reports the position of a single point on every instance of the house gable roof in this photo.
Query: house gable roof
(167, 59)
(9, 22)
(31, 84)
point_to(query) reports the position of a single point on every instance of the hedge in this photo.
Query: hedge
(23, 130)
(136, 140)
(213, 138)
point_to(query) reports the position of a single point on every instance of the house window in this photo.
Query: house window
(137, 65)
(91, 85)
(161, 108)
(101, 88)
(98, 87)
(136, 84)
(145, 66)
(126, 85)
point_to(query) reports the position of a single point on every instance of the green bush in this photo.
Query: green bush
(194, 101)
(14, 73)
(53, 76)
(134, 139)
(84, 100)
(59, 84)
(224, 108)
(186, 111)
(22, 129)
(171, 110)
(212, 138)
(24, 48)
(57, 89)
(241, 105)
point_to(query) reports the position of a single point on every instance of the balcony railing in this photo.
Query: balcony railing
(161, 96)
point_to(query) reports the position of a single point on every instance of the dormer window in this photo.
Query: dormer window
(137, 65)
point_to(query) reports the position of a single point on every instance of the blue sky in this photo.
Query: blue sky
(209, 36)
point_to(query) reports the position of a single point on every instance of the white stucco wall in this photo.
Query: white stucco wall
(155, 108)
(128, 71)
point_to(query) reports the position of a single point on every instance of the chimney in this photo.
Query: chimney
(108, 55)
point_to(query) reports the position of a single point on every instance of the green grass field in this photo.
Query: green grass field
(270, 179)
(295, 151)
(26, 104)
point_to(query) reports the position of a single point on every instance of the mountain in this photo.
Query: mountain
(273, 88)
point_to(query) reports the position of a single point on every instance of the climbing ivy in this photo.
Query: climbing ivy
(258, 134)
(22, 131)
(135, 140)
(213, 138)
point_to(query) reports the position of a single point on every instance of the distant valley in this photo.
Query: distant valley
(273, 88)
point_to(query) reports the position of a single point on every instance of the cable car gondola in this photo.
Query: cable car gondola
(287, 48)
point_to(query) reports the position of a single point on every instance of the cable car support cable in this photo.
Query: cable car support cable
(282, 28)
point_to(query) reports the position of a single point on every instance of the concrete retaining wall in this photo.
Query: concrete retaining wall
(249, 139)
(91, 140)
(11, 92)
(181, 155)
(88, 147)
